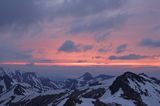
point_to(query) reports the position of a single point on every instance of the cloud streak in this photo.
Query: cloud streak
(127, 57)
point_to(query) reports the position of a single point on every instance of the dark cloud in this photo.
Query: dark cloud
(98, 24)
(128, 57)
(150, 43)
(70, 46)
(121, 48)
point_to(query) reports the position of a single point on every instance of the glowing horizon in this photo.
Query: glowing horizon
(83, 64)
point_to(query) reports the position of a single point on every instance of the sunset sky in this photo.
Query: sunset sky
(80, 32)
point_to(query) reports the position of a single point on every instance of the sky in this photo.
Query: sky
(80, 32)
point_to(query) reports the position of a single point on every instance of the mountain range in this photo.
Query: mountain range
(128, 89)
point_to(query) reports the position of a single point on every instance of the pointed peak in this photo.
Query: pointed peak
(87, 76)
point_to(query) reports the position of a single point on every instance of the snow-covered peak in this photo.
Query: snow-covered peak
(140, 90)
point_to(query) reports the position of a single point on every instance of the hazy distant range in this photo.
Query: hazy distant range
(63, 72)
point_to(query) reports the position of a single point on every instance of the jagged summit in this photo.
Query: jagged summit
(122, 82)
(132, 76)
(129, 74)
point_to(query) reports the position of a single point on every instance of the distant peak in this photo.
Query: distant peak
(87, 76)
